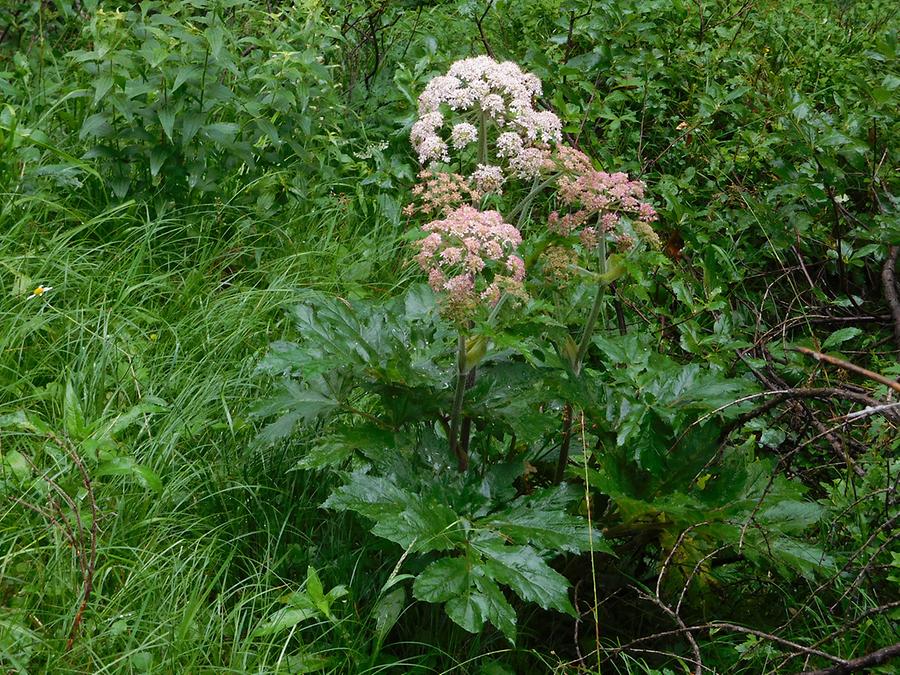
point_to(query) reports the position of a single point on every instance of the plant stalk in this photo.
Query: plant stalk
(482, 138)
(583, 344)
(456, 413)
(594, 314)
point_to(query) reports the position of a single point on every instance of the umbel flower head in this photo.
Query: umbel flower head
(470, 259)
(596, 196)
(482, 96)
(439, 193)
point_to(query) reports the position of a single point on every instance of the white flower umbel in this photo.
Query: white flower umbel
(492, 105)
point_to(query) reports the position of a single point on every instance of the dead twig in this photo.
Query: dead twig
(865, 569)
(809, 651)
(889, 282)
(82, 539)
(850, 367)
(887, 525)
(843, 629)
(695, 648)
(876, 658)
(479, 22)
(88, 577)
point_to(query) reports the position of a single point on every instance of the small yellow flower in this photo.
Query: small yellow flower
(39, 291)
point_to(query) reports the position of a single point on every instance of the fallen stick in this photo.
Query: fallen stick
(851, 367)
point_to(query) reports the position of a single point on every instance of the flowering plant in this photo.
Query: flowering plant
(437, 444)
(483, 112)
(477, 133)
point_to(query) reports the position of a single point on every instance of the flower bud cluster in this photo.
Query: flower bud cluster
(469, 257)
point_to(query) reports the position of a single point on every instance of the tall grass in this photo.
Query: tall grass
(175, 311)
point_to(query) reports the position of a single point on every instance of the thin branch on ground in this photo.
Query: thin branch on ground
(850, 367)
(876, 658)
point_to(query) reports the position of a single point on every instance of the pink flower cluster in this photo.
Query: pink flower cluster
(469, 257)
(597, 193)
(499, 95)
(439, 192)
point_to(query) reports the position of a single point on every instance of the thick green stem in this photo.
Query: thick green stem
(584, 343)
(595, 311)
(526, 200)
(564, 446)
(495, 310)
(456, 412)
(482, 138)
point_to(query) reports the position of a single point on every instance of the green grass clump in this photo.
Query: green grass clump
(172, 313)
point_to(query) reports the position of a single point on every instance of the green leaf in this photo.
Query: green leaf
(126, 466)
(299, 404)
(583, 62)
(841, 336)
(158, 156)
(336, 593)
(222, 133)
(95, 126)
(497, 608)
(307, 403)
(298, 600)
(22, 421)
(539, 519)
(15, 462)
(298, 664)
(102, 85)
(73, 415)
(316, 592)
(335, 449)
(526, 573)
(370, 496)
(471, 598)
(137, 87)
(328, 453)
(468, 611)
(419, 302)
(277, 430)
(215, 37)
(424, 525)
(167, 120)
(387, 610)
(282, 620)
(442, 580)
(190, 125)
(185, 73)
(126, 419)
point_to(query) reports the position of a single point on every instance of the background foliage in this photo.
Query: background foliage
(198, 179)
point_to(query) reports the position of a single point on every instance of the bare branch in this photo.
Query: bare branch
(876, 658)
(851, 367)
(889, 282)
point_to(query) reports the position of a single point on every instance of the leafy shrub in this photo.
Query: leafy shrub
(184, 98)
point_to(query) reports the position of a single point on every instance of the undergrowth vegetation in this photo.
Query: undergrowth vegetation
(460, 336)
